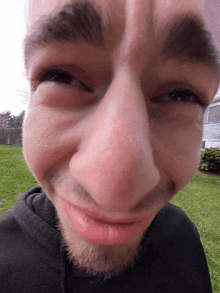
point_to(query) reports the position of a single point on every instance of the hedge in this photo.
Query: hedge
(210, 160)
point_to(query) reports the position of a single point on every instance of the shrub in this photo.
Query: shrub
(210, 160)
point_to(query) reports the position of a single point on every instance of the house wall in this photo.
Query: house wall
(211, 135)
(211, 126)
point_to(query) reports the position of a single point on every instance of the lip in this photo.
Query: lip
(100, 229)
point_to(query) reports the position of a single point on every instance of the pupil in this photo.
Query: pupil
(181, 96)
(61, 77)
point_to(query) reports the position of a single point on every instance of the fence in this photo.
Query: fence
(11, 136)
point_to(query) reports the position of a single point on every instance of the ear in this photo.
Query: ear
(211, 15)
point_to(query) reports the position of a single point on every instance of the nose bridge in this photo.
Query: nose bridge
(124, 108)
(121, 122)
(115, 163)
(139, 18)
(139, 35)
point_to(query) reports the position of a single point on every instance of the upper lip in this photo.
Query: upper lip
(113, 218)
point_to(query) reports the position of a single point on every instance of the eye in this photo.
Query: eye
(185, 96)
(62, 77)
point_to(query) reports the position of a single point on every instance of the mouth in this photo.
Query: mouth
(99, 229)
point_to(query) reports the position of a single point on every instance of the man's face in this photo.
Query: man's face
(114, 123)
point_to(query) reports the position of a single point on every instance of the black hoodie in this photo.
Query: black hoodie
(32, 258)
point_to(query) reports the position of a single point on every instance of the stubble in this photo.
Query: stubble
(96, 259)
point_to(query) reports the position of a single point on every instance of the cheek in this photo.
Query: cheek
(47, 140)
(182, 164)
(177, 150)
(38, 143)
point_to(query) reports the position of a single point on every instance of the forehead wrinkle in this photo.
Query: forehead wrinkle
(138, 35)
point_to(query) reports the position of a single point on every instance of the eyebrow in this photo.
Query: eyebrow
(75, 22)
(189, 41)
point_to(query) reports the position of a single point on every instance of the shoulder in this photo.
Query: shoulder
(174, 251)
(12, 239)
(8, 225)
(174, 238)
(173, 231)
(173, 220)
(173, 212)
(29, 250)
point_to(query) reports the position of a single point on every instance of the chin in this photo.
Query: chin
(98, 259)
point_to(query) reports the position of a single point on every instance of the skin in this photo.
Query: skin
(130, 153)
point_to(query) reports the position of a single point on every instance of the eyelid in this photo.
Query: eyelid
(45, 73)
(171, 87)
(170, 93)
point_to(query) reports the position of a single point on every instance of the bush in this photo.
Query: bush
(210, 160)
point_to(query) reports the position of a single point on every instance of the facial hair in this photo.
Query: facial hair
(97, 259)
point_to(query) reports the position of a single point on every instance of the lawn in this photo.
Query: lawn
(200, 199)
(15, 177)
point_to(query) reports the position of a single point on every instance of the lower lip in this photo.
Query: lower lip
(102, 232)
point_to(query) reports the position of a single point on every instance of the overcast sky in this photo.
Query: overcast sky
(12, 31)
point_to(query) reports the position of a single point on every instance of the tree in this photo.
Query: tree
(19, 119)
(7, 120)
(24, 93)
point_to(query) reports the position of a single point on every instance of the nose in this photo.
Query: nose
(115, 162)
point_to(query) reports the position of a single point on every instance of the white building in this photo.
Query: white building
(211, 127)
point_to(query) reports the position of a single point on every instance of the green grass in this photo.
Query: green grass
(200, 199)
(15, 177)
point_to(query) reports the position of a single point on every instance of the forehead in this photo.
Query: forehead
(137, 27)
(208, 10)
(37, 8)
(162, 9)
(211, 16)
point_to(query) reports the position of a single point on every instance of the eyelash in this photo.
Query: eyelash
(64, 77)
(181, 95)
(61, 76)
